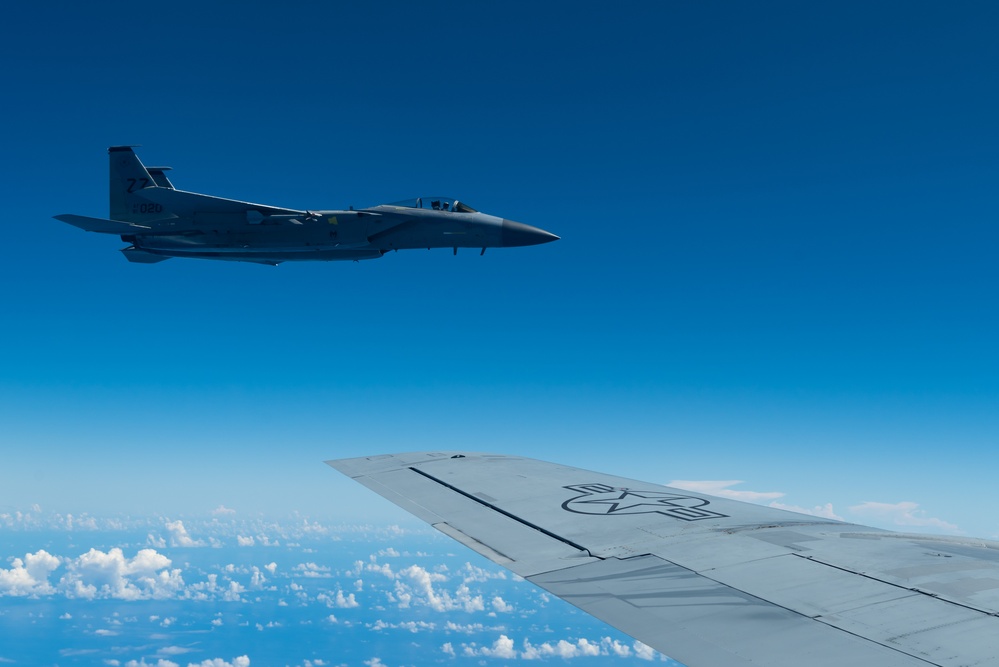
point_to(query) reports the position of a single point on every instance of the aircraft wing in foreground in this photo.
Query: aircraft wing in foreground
(708, 581)
(160, 222)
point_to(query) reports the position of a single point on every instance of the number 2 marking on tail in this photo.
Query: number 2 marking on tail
(132, 182)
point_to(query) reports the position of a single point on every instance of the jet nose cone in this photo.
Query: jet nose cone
(517, 234)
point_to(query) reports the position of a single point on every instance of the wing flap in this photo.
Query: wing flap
(701, 622)
(937, 631)
(473, 544)
(807, 587)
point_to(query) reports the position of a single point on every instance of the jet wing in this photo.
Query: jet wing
(101, 224)
(708, 581)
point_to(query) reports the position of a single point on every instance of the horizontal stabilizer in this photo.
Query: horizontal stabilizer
(184, 203)
(101, 225)
(160, 177)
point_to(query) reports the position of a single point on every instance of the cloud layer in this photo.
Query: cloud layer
(506, 648)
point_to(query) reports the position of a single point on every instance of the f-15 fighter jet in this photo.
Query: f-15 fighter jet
(160, 222)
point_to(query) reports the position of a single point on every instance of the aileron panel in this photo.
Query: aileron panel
(703, 622)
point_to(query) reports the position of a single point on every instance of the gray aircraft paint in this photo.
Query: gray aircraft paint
(161, 222)
(708, 581)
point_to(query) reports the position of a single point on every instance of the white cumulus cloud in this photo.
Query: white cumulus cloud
(384, 569)
(617, 648)
(721, 488)
(470, 573)
(415, 585)
(902, 514)
(501, 648)
(257, 579)
(504, 647)
(824, 511)
(97, 574)
(646, 652)
(179, 536)
(234, 592)
(346, 602)
(410, 626)
(312, 570)
(470, 628)
(241, 661)
(501, 606)
(30, 575)
(339, 601)
(564, 649)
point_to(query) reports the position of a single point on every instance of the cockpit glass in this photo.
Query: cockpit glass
(436, 204)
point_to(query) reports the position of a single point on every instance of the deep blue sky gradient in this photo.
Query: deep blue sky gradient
(777, 261)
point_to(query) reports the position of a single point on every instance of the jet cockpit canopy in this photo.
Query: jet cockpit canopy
(436, 204)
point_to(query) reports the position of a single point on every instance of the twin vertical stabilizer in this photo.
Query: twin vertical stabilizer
(127, 177)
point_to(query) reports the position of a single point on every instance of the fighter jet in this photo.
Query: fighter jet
(160, 222)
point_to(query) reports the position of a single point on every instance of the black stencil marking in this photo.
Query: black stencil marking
(612, 501)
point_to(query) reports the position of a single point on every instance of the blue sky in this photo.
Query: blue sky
(776, 282)
(777, 261)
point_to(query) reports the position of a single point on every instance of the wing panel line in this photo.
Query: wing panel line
(509, 515)
(590, 602)
(917, 590)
